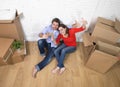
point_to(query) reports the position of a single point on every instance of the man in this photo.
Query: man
(46, 42)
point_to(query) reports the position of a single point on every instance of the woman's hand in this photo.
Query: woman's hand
(84, 23)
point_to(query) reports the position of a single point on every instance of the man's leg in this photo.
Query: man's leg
(44, 62)
(41, 45)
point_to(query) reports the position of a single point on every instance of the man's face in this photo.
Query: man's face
(55, 25)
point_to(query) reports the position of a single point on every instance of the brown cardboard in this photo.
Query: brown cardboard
(117, 25)
(108, 48)
(103, 57)
(106, 21)
(100, 61)
(105, 35)
(104, 26)
(5, 50)
(18, 56)
(12, 28)
(87, 39)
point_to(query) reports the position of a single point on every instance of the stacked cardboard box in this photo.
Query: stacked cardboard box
(12, 29)
(106, 48)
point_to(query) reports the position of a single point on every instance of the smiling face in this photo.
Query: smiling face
(55, 25)
(62, 30)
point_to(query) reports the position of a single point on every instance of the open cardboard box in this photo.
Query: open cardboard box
(12, 28)
(103, 31)
(103, 57)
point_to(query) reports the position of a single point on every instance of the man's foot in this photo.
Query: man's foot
(62, 70)
(34, 72)
(55, 70)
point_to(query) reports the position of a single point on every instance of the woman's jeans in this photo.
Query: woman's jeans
(60, 53)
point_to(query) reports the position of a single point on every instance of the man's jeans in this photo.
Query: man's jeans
(42, 44)
(60, 53)
(46, 60)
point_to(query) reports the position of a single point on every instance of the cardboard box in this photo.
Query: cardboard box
(103, 57)
(105, 35)
(5, 51)
(12, 28)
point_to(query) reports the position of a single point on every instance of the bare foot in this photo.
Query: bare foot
(34, 72)
(62, 70)
(55, 70)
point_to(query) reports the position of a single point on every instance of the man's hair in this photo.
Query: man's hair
(56, 20)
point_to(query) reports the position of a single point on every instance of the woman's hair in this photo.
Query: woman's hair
(64, 26)
(56, 20)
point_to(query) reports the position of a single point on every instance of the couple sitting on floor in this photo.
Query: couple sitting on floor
(51, 37)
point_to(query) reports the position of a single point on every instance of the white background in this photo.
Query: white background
(39, 13)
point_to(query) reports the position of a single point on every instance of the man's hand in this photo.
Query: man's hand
(45, 36)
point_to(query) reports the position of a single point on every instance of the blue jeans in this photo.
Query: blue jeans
(46, 60)
(60, 53)
(42, 44)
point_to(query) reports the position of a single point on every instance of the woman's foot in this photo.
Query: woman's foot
(55, 70)
(62, 70)
(34, 72)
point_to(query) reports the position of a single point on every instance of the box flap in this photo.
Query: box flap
(105, 35)
(106, 21)
(8, 15)
(104, 26)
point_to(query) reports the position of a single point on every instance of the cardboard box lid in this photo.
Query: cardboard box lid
(5, 44)
(101, 61)
(117, 25)
(105, 35)
(106, 21)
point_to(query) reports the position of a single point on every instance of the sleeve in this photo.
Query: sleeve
(75, 30)
(58, 39)
(56, 35)
(45, 30)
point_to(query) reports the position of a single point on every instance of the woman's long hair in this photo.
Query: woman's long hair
(64, 26)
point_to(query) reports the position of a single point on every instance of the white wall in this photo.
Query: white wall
(39, 13)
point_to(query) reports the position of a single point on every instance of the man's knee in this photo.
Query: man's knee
(41, 41)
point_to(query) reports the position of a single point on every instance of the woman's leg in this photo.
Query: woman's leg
(58, 51)
(63, 53)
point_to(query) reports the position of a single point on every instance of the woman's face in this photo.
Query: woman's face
(62, 30)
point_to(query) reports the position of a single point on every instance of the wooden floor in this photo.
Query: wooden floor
(76, 74)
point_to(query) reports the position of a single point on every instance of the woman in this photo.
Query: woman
(69, 45)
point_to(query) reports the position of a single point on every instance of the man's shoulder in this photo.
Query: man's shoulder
(48, 27)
